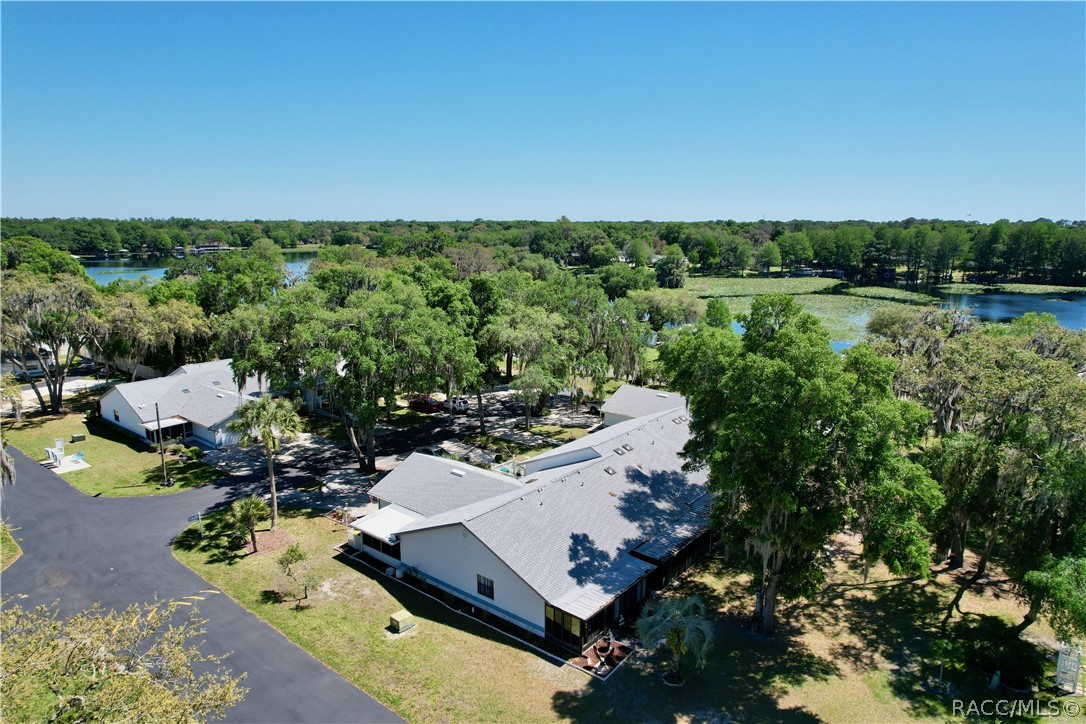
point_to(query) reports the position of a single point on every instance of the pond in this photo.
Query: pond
(1068, 309)
(105, 271)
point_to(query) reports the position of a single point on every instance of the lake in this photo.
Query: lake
(1069, 309)
(105, 271)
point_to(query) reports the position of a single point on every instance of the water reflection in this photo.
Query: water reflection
(104, 271)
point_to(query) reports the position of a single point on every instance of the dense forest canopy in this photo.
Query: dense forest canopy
(929, 250)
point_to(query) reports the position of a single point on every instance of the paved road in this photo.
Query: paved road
(80, 549)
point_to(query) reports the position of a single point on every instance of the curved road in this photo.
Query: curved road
(78, 550)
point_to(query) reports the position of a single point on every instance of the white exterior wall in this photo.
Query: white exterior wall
(450, 557)
(204, 434)
(611, 418)
(129, 420)
(532, 465)
(225, 438)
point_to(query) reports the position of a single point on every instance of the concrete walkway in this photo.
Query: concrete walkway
(79, 549)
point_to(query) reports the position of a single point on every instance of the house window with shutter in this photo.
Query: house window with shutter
(485, 586)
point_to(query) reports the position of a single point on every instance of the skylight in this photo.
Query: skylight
(458, 473)
(609, 471)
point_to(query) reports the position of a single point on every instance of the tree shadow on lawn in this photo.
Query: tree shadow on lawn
(744, 679)
(186, 475)
(895, 622)
(220, 544)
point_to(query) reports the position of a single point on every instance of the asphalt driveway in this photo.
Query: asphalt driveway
(78, 550)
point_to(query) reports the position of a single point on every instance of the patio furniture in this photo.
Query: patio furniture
(78, 457)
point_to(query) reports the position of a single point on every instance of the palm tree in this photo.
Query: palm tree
(245, 513)
(681, 624)
(268, 420)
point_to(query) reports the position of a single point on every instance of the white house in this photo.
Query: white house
(565, 551)
(194, 403)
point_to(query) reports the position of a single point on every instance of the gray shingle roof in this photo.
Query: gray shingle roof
(430, 485)
(631, 401)
(203, 393)
(568, 531)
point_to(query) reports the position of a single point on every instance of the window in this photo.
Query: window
(485, 586)
(116, 416)
(562, 626)
(392, 550)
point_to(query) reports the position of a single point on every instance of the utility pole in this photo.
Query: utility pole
(161, 448)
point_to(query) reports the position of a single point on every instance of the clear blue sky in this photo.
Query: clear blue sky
(514, 111)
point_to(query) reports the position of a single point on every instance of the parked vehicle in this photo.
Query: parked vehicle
(424, 404)
(434, 450)
(594, 407)
(456, 404)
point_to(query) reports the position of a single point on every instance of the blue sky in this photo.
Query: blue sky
(512, 111)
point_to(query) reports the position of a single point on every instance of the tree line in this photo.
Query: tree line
(929, 251)
(935, 435)
(361, 330)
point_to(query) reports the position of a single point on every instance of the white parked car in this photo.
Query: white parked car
(456, 404)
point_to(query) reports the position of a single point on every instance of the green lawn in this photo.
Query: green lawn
(330, 428)
(120, 464)
(9, 549)
(406, 417)
(855, 653)
(1011, 288)
(845, 316)
(892, 294)
(559, 434)
(755, 286)
(508, 448)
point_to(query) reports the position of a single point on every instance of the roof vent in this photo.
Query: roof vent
(185, 390)
(627, 447)
(609, 471)
(619, 451)
(662, 395)
(215, 382)
(458, 473)
(141, 406)
(219, 395)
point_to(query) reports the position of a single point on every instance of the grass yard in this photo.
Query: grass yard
(9, 549)
(406, 417)
(893, 294)
(735, 287)
(845, 316)
(120, 464)
(559, 434)
(448, 668)
(330, 428)
(856, 653)
(508, 448)
(1010, 288)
